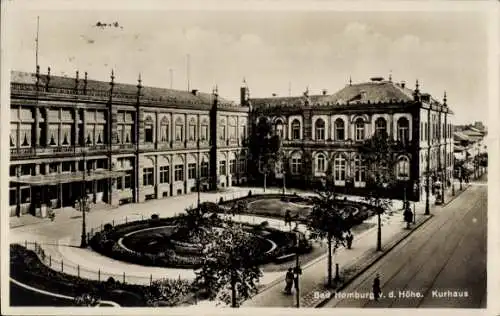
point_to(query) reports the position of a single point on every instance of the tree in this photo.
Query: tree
(377, 153)
(328, 219)
(264, 148)
(230, 270)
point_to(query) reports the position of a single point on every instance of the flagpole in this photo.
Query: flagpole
(36, 40)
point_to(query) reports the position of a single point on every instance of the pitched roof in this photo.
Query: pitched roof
(160, 94)
(368, 92)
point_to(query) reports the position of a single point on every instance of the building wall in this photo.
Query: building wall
(167, 134)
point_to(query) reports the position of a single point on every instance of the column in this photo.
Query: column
(171, 175)
(36, 142)
(185, 173)
(94, 182)
(74, 132)
(156, 131)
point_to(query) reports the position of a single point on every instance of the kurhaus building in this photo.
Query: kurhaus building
(123, 143)
(324, 131)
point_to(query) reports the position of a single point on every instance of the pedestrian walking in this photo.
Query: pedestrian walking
(376, 287)
(289, 278)
(349, 239)
(288, 218)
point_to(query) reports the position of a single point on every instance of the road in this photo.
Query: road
(442, 264)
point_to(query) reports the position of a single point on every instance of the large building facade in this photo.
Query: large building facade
(122, 143)
(321, 135)
(119, 143)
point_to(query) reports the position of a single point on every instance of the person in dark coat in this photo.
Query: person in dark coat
(376, 287)
(288, 218)
(289, 281)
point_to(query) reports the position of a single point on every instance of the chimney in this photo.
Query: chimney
(244, 93)
(403, 84)
(325, 91)
(194, 92)
(363, 95)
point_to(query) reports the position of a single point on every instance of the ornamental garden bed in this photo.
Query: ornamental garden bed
(26, 268)
(276, 205)
(165, 242)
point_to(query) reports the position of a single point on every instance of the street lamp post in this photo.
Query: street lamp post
(298, 270)
(199, 180)
(83, 201)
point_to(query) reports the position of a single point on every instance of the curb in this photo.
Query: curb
(370, 264)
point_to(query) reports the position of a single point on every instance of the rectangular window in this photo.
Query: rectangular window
(13, 135)
(53, 135)
(127, 134)
(222, 132)
(12, 196)
(164, 174)
(222, 167)
(296, 165)
(192, 132)
(25, 195)
(178, 133)
(66, 166)
(179, 173)
(204, 169)
(128, 180)
(164, 134)
(119, 134)
(101, 164)
(232, 166)
(204, 132)
(241, 166)
(148, 176)
(119, 183)
(192, 171)
(148, 133)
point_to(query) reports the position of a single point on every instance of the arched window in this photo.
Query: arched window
(403, 130)
(339, 129)
(359, 169)
(222, 130)
(380, 126)
(278, 127)
(319, 127)
(179, 130)
(192, 129)
(295, 129)
(204, 130)
(232, 128)
(403, 168)
(148, 129)
(164, 130)
(339, 168)
(296, 163)
(360, 129)
(320, 163)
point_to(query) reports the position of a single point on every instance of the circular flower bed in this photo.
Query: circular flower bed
(166, 242)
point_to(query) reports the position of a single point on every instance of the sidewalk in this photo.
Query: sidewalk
(351, 261)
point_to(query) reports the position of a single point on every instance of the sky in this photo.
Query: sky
(276, 51)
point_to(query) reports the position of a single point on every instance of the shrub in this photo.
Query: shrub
(155, 217)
